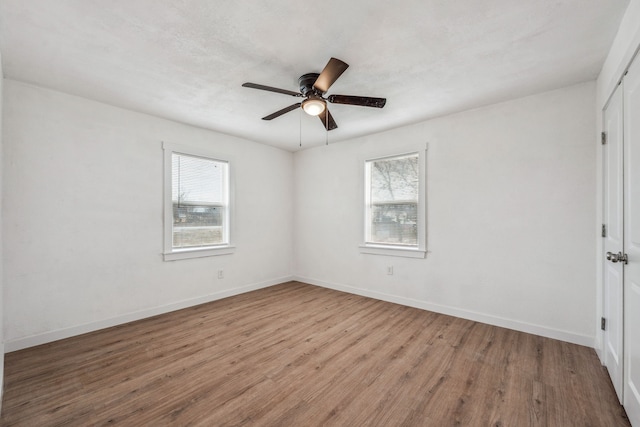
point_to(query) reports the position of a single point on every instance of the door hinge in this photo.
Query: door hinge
(603, 323)
(603, 138)
(604, 230)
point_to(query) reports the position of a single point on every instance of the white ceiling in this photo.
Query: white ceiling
(187, 60)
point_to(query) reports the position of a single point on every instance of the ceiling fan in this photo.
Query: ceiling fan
(313, 87)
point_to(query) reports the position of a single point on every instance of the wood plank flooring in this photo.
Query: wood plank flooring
(300, 355)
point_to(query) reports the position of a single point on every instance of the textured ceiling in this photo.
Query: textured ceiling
(187, 60)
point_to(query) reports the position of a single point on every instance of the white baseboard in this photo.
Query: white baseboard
(46, 337)
(34, 340)
(516, 325)
(598, 347)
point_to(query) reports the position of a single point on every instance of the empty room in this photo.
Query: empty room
(419, 213)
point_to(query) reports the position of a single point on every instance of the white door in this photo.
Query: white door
(632, 243)
(613, 271)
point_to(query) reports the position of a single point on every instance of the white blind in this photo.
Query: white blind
(196, 180)
(394, 179)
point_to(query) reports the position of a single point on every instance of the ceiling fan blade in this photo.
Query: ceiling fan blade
(327, 120)
(330, 74)
(271, 89)
(281, 112)
(363, 101)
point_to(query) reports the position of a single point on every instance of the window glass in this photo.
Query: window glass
(392, 200)
(199, 201)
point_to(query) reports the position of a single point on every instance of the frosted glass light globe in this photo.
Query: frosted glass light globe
(313, 106)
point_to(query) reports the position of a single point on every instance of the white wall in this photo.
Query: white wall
(511, 208)
(625, 45)
(83, 217)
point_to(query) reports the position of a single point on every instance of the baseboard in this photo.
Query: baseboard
(34, 340)
(543, 331)
(598, 347)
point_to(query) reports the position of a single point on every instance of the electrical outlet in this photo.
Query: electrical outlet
(220, 274)
(390, 270)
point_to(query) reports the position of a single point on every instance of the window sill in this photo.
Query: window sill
(393, 251)
(198, 253)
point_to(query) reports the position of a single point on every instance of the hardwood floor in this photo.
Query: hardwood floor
(300, 355)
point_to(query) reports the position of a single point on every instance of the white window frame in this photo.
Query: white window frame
(412, 251)
(170, 253)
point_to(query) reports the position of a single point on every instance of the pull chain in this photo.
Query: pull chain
(326, 126)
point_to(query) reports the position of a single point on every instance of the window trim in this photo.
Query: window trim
(169, 253)
(413, 251)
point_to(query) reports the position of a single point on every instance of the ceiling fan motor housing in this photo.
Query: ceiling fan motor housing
(306, 82)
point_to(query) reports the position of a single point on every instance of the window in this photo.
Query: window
(394, 206)
(197, 208)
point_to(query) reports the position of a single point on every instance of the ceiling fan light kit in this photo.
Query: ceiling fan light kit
(313, 106)
(313, 87)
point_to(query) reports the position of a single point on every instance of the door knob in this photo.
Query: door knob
(619, 257)
(623, 258)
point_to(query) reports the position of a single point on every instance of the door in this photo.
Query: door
(613, 243)
(632, 243)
